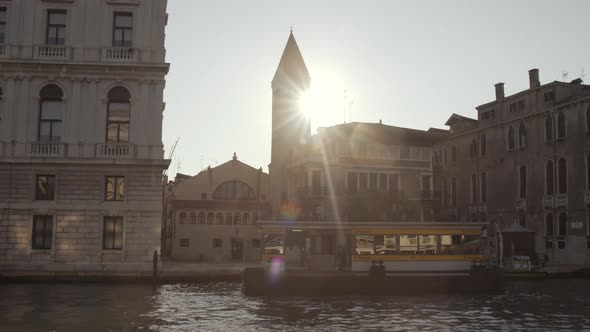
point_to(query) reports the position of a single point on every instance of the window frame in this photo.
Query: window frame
(522, 183)
(123, 29)
(3, 24)
(114, 219)
(217, 243)
(56, 26)
(52, 122)
(53, 193)
(34, 234)
(550, 173)
(118, 122)
(184, 243)
(116, 197)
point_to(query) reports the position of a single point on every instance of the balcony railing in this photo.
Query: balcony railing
(548, 201)
(46, 150)
(119, 54)
(561, 200)
(52, 52)
(114, 151)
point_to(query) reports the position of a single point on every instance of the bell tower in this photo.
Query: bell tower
(290, 126)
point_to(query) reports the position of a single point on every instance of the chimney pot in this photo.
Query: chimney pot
(534, 78)
(499, 91)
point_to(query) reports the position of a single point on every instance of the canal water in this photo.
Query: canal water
(526, 305)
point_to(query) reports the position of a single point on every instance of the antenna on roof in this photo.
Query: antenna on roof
(582, 75)
(564, 75)
(172, 152)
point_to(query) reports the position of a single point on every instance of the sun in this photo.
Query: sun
(323, 103)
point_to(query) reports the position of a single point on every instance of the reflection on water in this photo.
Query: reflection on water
(553, 304)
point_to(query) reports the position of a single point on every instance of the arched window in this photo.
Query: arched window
(561, 125)
(522, 181)
(549, 127)
(51, 114)
(549, 178)
(454, 192)
(483, 143)
(192, 218)
(510, 138)
(202, 217)
(234, 190)
(210, 218)
(562, 175)
(118, 113)
(474, 148)
(228, 219)
(453, 154)
(246, 219)
(473, 188)
(562, 226)
(549, 224)
(484, 187)
(521, 135)
(182, 218)
(255, 218)
(219, 218)
(237, 219)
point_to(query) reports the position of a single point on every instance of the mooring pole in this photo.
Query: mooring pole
(155, 270)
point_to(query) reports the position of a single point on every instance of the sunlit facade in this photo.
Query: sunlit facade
(81, 154)
(524, 163)
(213, 216)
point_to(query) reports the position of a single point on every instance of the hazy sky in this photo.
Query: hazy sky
(408, 63)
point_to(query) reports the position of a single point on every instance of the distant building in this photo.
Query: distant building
(347, 172)
(212, 216)
(81, 154)
(525, 163)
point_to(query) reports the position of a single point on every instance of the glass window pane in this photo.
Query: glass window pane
(123, 21)
(428, 244)
(107, 234)
(55, 131)
(120, 188)
(408, 244)
(124, 133)
(385, 245)
(112, 131)
(364, 245)
(110, 188)
(48, 232)
(273, 244)
(127, 35)
(2, 15)
(118, 233)
(57, 18)
(119, 111)
(51, 110)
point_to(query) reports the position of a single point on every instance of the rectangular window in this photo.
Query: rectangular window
(184, 243)
(373, 181)
(352, 182)
(364, 245)
(548, 244)
(426, 184)
(56, 27)
(521, 105)
(256, 243)
(428, 244)
(363, 181)
(408, 244)
(216, 243)
(382, 182)
(561, 244)
(45, 188)
(42, 232)
(404, 152)
(115, 188)
(112, 233)
(394, 182)
(385, 244)
(548, 96)
(122, 29)
(513, 107)
(2, 25)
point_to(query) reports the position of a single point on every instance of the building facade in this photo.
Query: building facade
(81, 154)
(212, 216)
(524, 162)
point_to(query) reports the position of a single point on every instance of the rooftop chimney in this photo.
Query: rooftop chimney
(499, 91)
(534, 78)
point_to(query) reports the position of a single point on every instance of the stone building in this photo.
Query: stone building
(347, 172)
(212, 216)
(81, 154)
(524, 162)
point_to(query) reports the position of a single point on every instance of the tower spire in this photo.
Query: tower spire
(292, 68)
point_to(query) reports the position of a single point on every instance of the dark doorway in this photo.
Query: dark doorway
(237, 249)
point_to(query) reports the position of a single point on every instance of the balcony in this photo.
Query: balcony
(119, 54)
(45, 150)
(587, 197)
(521, 204)
(114, 151)
(561, 200)
(52, 52)
(548, 201)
